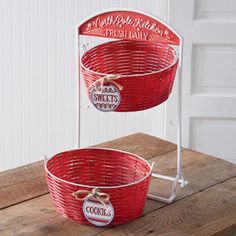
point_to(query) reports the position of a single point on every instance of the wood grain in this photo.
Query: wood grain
(203, 214)
(211, 191)
(38, 217)
(202, 171)
(22, 183)
(141, 144)
(27, 182)
(197, 166)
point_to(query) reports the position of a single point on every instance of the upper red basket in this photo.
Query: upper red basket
(139, 68)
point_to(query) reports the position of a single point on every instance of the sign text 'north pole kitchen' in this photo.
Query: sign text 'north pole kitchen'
(128, 25)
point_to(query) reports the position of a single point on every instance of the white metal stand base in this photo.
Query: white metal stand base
(179, 179)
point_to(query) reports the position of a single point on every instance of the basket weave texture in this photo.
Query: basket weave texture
(147, 71)
(124, 176)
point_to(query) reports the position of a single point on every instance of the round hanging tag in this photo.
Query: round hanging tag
(97, 213)
(106, 100)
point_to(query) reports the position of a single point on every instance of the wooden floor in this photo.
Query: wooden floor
(207, 206)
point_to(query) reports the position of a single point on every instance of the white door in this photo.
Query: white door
(209, 76)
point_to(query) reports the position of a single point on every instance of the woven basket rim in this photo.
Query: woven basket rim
(102, 187)
(176, 57)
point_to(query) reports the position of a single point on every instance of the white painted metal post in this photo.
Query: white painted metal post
(79, 88)
(180, 176)
(179, 126)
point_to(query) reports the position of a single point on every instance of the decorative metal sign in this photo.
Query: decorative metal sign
(128, 25)
(105, 98)
(97, 213)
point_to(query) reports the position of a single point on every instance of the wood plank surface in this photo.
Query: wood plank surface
(207, 176)
(141, 144)
(45, 215)
(22, 183)
(38, 217)
(27, 182)
(202, 171)
(205, 213)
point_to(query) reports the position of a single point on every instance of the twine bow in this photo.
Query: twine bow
(100, 196)
(104, 79)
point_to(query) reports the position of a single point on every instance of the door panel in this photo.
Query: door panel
(209, 78)
(209, 75)
(214, 136)
(210, 9)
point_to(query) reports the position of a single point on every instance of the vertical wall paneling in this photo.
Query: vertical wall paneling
(38, 76)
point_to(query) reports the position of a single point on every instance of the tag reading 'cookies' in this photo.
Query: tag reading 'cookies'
(97, 213)
(106, 100)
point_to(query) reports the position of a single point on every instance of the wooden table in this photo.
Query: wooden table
(207, 206)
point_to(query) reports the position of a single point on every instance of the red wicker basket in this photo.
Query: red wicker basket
(125, 177)
(146, 71)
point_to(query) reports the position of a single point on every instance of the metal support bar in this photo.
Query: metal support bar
(79, 90)
(177, 180)
(181, 181)
(179, 125)
(162, 199)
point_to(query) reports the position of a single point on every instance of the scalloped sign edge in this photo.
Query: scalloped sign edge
(128, 25)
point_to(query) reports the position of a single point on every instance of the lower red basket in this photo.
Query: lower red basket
(123, 176)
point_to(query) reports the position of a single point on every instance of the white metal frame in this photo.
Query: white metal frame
(179, 178)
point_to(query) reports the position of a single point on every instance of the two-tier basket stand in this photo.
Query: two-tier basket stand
(133, 70)
(132, 26)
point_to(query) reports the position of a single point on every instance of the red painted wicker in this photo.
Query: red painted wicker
(147, 71)
(123, 175)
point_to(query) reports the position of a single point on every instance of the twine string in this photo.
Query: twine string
(103, 198)
(107, 78)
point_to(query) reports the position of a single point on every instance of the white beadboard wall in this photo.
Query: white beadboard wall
(38, 81)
